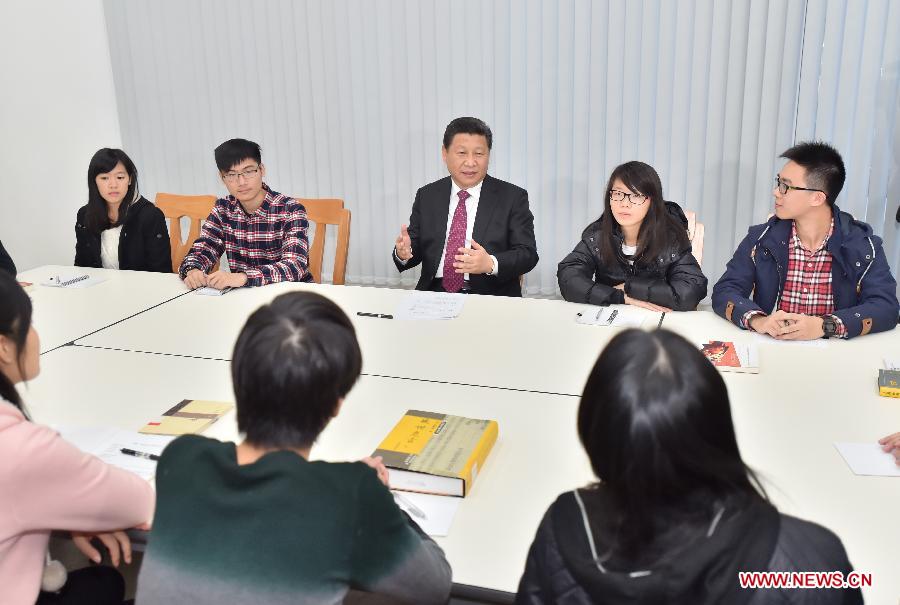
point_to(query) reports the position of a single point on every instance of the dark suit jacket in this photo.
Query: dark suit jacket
(504, 226)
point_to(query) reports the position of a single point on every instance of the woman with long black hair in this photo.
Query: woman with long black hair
(47, 484)
(676, 514)
(637, 252)
(118, 228)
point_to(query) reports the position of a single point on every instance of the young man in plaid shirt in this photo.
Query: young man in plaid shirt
(812, 271)
(262, 232)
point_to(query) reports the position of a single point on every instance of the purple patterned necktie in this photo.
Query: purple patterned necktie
(456, 238)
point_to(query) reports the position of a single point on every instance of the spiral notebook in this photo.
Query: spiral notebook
(72, 281)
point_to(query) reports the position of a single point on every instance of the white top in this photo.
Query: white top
(629, 251)
(109, 247)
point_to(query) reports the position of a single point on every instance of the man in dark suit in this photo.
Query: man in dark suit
(470, 231)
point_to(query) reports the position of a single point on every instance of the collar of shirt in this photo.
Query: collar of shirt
(474, 193)
(270, 195)
(795, 238)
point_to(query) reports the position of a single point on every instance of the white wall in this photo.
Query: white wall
(58, 106)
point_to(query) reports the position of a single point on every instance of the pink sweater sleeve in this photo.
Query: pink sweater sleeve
(57, 486)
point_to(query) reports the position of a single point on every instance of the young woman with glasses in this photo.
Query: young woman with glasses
(637, 252)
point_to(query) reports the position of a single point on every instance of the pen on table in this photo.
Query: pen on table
(415, 510)
(378, 315)
(612, 316)
(138, 454)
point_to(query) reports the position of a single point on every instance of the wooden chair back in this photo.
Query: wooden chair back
(175, 207)
(695, 234)
(324, 212)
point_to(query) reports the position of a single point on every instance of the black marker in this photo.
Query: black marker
(138, 454)
(378, 315)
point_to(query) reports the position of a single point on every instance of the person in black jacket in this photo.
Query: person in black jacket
(119, 228)
(676, 515)
(637, 252)
(6, 262)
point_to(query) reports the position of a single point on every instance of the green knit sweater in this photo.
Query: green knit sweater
(280, 530)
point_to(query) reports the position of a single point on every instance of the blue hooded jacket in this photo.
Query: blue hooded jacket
(865, 293)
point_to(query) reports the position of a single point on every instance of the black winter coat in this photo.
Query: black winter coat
(672, 280)
(700, 569)
(143, 245)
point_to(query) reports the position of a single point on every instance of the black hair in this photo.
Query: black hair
(823, 164)
(657, 229)
(467, 126)
(15, 321)
(97, 214)
(655, 421)
(234, 151)
(293, 360)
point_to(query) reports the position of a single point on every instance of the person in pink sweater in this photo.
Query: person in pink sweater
(48, 484)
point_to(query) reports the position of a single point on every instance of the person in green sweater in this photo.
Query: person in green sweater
(259, 522)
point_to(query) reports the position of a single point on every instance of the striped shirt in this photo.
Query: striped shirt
(267, 246)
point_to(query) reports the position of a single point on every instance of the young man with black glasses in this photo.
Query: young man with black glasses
(263, 232)
(811, 271)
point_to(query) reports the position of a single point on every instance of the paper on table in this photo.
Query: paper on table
(430, 305)
(439, 510)
(73, 280)
(868, 459)
(208, 291)
(106, 443)
(619, 316)
(892, 363)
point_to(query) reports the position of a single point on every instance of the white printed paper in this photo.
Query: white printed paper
(106, 443)
(892, 363)
(430, 306)
(208, 291)
(868, 459)
(434, 514)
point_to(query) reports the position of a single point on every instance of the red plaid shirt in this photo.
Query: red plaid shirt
(807, 286)
(268, 246)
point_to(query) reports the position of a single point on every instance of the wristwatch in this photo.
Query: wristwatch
(829, 326)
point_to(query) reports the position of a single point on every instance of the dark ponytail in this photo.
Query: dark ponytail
(15, 321)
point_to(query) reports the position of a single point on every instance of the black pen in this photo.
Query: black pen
(138, 454)
(378, 315)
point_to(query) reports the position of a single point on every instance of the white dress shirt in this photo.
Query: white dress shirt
(109, 247)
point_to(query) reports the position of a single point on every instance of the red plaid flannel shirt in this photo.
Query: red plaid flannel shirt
(807, 286)
(268, 246)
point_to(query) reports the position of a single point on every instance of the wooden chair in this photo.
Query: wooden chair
(325, 212)
(695, 234)
(175, 207)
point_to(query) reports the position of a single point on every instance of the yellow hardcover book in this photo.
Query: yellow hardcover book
(889, 383)
(437, 453)
(187, 417)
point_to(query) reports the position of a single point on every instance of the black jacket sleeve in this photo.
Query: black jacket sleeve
(415, 220)
(156, 242)
(84, 243)
(521, 256)
(6, 263)
(682, 288)
(575, 275)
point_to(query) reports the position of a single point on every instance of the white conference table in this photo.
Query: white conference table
(513, 343)
(787, 419)
(63, 314)
(536, 457)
